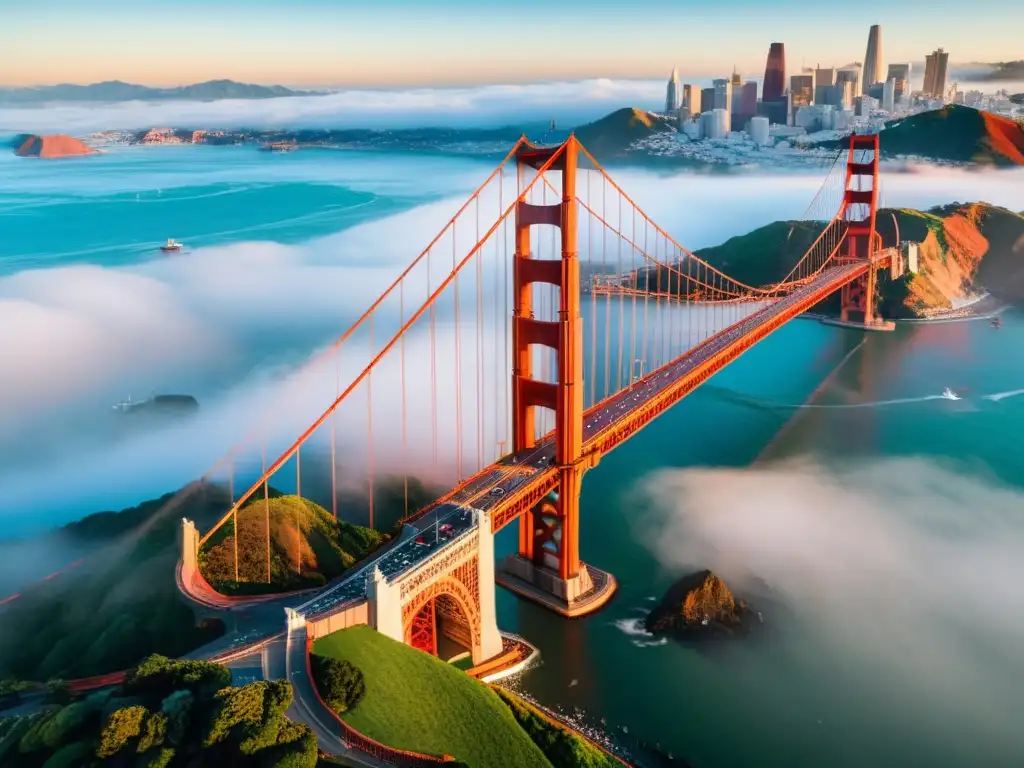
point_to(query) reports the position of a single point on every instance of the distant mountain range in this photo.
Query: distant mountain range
(1006, 70)
(115, 90)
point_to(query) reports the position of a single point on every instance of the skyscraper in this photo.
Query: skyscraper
(801, 92)
(824, 80)
(935, 73)
(737, 78)
(744, 104)
(901, 74)
(723, 95)
(848, 80)
(723, 100)
(672, 93)
(775, 73)
(873, 59)
(889, 95)
(707, 99)
(690, 104)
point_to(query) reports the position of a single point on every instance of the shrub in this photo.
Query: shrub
(157, 677)
(68, 723)
(58, 691)
(235, 706)
(340, 682)
(154, 730)
(122, 725)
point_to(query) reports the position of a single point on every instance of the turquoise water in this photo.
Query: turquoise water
(797, 697)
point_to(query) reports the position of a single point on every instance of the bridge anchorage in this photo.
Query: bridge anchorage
(556, 360)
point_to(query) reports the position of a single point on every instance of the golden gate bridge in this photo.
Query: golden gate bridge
(503, 361)
(549, 321)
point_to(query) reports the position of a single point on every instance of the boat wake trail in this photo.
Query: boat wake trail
(877, 403)
(1003, 395)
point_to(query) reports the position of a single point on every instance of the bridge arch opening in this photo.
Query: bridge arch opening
(443, 625)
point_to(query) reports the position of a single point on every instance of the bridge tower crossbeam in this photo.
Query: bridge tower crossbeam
(862, 242)
(547, 566)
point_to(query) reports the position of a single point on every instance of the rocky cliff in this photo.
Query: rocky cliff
(56, 145)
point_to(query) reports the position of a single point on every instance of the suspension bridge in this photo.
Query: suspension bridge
(548, 322)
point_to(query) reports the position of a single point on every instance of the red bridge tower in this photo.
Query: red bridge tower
(547, 566)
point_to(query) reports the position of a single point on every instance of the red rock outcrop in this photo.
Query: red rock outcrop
(56, 145)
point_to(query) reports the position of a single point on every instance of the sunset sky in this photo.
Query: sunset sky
(420, 42)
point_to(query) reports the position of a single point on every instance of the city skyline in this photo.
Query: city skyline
(316, 43)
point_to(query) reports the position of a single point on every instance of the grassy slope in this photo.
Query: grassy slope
(612, 134)
(327, 547)
(417, 702)
(957, 133)
(116, 609)
(560, 745)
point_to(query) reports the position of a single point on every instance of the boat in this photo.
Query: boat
(949, 394)
(158, 404)
(996, 322)
(172, 246)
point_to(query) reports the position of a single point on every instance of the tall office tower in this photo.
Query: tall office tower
(744, 104)
(935, 73)
(873, 59)
(689, 103)
(723, 95)
(775, 73)
(889, 96)
(692, 99)
(901, 74)
(737, 79)
(707, 99)
(849, 78)
(672, 93)
(801, 92)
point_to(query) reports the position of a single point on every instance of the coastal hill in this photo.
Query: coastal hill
(613, 134)
(327, 546)
(56, 145)
(1006, 70)
(965, 248)
(115, 90)
(958, 134)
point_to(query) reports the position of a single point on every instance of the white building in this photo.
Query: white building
(759, 130)
(714, 124)
(889, 96)
(817, 117)
(692, 130)
(672, 93)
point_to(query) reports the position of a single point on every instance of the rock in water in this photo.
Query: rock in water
(696, 605)
(57, 145)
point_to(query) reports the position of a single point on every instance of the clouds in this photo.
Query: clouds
(905, 572)
(490, 105)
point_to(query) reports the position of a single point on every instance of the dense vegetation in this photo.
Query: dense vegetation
(118, 607)
(339, 682)
(417, 702)
(562, 747)
(167, 713)
(308, 547)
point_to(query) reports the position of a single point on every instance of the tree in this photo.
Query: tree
(122, 725)
(339, 682)
(157, 677)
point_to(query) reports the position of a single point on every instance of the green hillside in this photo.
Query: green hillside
(417, 702)
(308, 547)
(120, 605)
(958, 134)
(612, 135)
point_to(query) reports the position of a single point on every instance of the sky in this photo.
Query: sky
(395, 43)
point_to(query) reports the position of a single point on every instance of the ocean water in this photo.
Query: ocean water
(881, 516)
